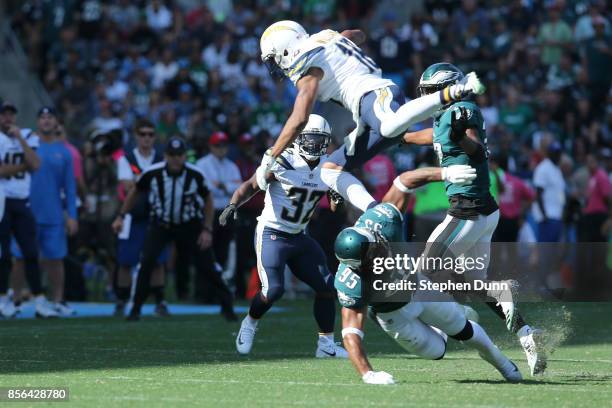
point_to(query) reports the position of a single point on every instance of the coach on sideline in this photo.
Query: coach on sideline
(182, 211)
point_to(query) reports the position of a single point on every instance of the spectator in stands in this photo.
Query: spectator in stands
(550, 189)
(131, 239)
(514, 199)
(597, 57)
(53, 202)
(379, 173)
(555, 35)
(597, 203)
(223, 177)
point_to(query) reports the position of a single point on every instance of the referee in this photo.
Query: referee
(181, 211)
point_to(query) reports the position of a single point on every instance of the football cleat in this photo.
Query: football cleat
(533, 345)
(63, 309)
(44, 309)
(510, 372)
(329, 349)
(246, 335)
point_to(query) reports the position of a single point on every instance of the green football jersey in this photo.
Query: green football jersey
(385, 219)
(450, 153)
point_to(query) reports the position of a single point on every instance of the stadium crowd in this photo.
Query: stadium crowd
(193, 71)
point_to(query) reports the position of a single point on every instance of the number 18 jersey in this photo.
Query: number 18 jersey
(293, 196)
(347, 72)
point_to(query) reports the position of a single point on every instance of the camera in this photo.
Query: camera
(105, 143)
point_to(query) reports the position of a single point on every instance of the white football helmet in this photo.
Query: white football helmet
(280, 44)
(313, 140)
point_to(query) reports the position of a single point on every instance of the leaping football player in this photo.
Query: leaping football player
(330, 66)
(419, 325)
(294, 188)
(459, 136)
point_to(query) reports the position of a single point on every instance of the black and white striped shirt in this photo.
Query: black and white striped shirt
(174, 199)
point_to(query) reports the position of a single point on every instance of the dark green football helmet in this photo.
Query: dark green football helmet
(437, 77)
(348, 245)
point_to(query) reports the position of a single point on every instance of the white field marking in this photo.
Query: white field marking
(241, 401)
(267, 403)
(450, 383)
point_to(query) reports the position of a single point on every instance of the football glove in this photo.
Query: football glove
(469, 85)
(459, 123)
(228, 211)
(460, 174)
(261, 174)
(378, 377)
(334, 197)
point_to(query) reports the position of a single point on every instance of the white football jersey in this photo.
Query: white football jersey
(18, 185)
(348, 72)
(293, 197)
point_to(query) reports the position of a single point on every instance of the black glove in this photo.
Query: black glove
(228, 211)
(335, 197)
(459, 123)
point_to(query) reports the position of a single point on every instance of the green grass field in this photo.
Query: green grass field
(190, 360)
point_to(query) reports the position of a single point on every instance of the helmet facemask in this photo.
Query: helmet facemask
(312, 145)
(276, 72)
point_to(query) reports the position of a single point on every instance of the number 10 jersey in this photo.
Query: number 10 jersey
(293, 196)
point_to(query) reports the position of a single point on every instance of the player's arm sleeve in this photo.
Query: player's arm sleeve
(70, 186)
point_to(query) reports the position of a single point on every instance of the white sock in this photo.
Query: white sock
(250, 321)
(487, 350)
(523, 331)
(348, 186)
(328, 336)
(410, 113)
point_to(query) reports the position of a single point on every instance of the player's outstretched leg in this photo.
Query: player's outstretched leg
(474, 336)
(450, 318)
(349, 187)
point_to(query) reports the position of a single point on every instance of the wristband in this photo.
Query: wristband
(398, 184)
(205, 228)
(352, 330)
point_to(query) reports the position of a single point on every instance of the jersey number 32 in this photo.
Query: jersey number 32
(300, 197)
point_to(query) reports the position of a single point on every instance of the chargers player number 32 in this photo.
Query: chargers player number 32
(299, 197)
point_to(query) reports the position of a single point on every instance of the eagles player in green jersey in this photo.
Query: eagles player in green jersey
(421, 326)
(459, 136)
